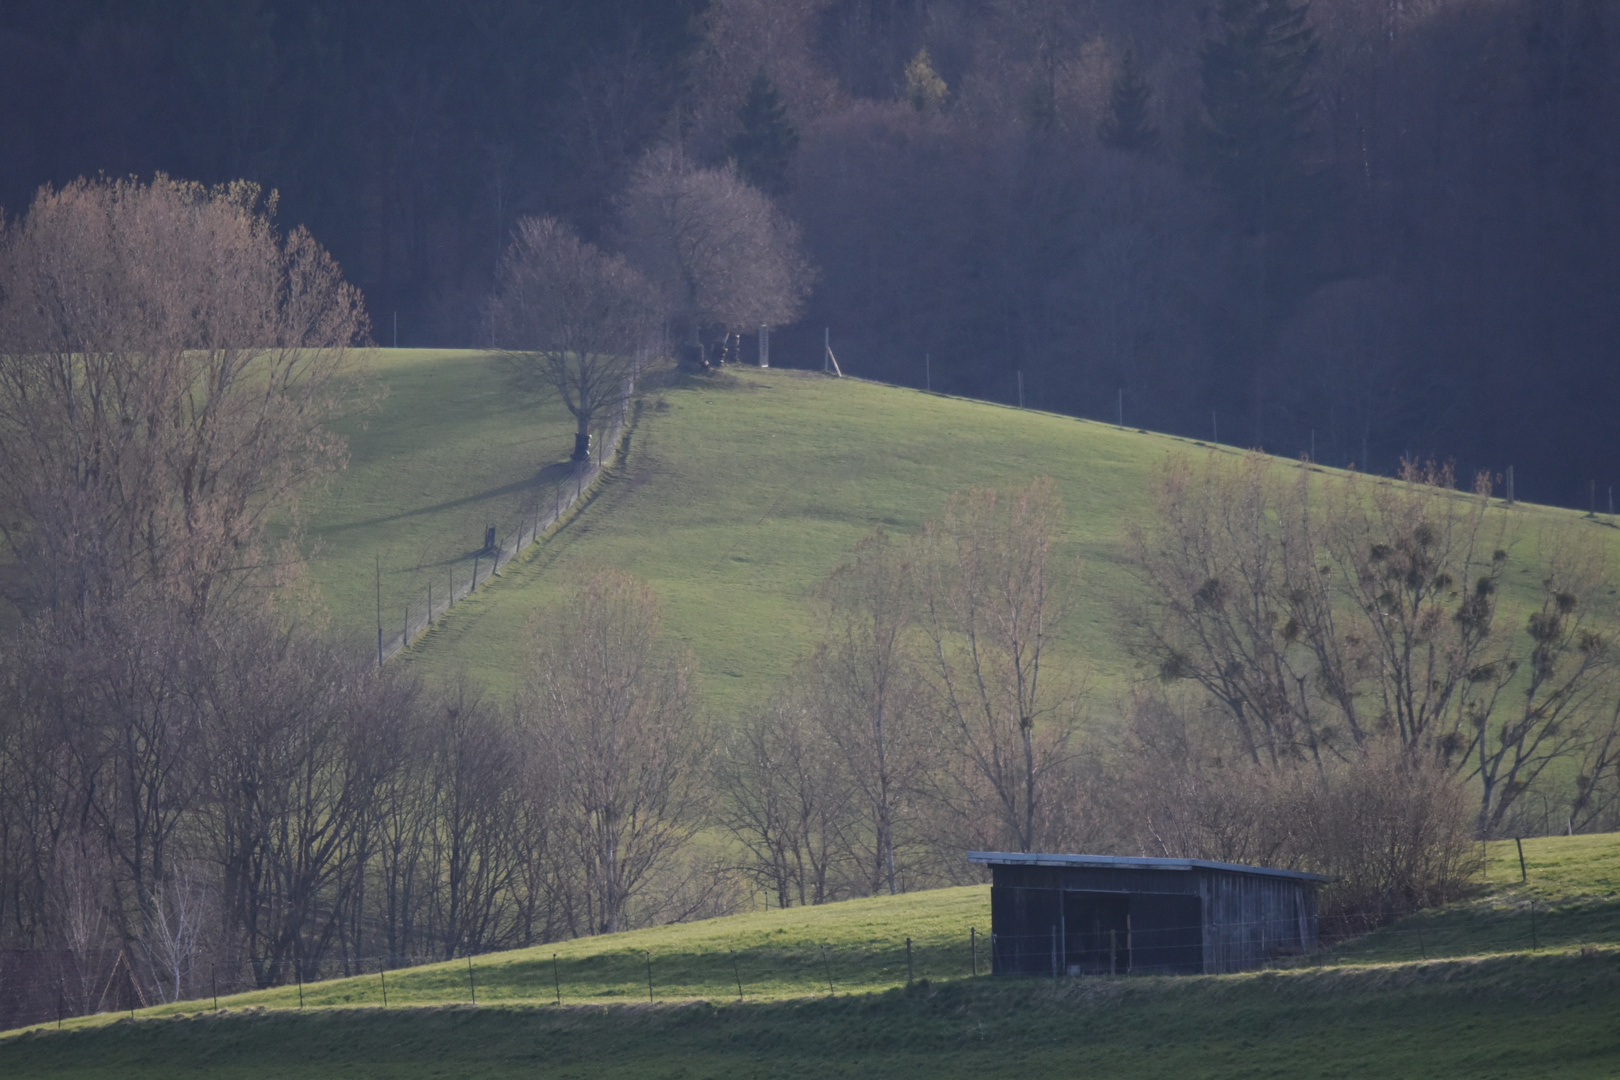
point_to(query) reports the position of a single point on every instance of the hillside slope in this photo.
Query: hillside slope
(1481, 1005)
(736, 496)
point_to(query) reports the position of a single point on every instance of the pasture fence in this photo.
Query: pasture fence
(503, 543)
(53, 989)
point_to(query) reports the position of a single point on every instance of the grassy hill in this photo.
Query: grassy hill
(451, 447)
(1486, 1003)
(737, 495)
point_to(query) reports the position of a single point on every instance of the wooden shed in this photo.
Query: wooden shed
(1103, 914)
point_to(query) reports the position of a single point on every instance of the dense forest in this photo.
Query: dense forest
(1375, 228)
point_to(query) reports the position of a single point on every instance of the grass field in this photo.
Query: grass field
(453, 446)
(737, 496)
(1492, 1007)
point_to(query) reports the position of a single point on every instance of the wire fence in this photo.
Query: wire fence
(504, 543)
(54, 992)
(53, 988)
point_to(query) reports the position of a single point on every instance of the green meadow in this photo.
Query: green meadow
(734, 497)
(1488, 1004)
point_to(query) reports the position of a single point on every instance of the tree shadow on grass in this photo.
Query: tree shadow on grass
(550, 474)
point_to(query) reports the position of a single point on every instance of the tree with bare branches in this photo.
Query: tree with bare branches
(1327, 617)
(986, 601)
(786, 800)
(721, 254)
(614, 711)
(579, 316)
(863, 686)
(168, 363)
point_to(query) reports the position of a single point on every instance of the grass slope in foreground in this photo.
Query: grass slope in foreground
(1500, 1011)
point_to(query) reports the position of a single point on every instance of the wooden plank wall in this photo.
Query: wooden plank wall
(1250, 919)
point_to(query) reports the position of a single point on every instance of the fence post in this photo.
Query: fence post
(1518, 842)
(737, 972)
(828, 963)
(908, 962)
(472, 985)
(973, 948)
(556, 978)
(649, 976)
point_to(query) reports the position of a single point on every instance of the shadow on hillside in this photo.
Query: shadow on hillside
(551, 474)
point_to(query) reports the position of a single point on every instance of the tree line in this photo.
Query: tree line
(1356, 228)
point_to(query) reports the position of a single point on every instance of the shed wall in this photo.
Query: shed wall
(1222, 921)
(1250, 919)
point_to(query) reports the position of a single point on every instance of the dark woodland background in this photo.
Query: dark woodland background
(1425, 262)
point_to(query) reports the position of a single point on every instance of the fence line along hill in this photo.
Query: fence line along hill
(737, 495)
(892, 986)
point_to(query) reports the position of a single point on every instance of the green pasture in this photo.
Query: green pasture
(451, 446)
(736, 496)
(1490, 1007)
(1565, 897)
(739, 494)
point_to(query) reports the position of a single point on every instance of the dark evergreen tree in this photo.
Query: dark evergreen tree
(1258, 105)
(764, 147)
(1129, 123)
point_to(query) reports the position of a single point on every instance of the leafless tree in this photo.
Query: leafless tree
(297, 754)
(579, 316)
(1325, 615)
(167, 366)
(786, 800)
(721, 254)
(987, 599)
(1222, 585)
(614, 711)
(477, 779)
(863, 686)
(1394, 830)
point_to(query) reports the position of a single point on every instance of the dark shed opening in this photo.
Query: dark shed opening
(1100, 914)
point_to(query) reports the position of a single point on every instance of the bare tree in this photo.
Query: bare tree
(863, 686)
(581, 317)
(721, 254)
(477, 777)
(615, 714)
(1394, 830)
(786, 800)
(167, 366)
(1220, 563)
(1323, 616)
(987, 600)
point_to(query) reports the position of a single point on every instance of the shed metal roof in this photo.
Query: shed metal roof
(1129, 862)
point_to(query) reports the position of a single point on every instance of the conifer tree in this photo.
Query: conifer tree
(764, 146)
(1258, 104)
(1129, 123)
